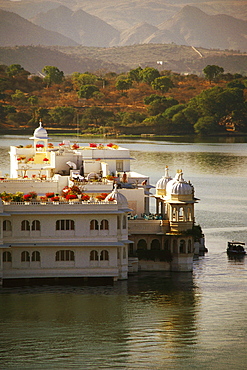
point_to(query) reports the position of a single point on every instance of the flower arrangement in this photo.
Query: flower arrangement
(27, 197)
(61, 144)
(75, 146)
(46, 159)
(71, 196)
(21, 158)
(102, 196)
(6, 196)
(85, 197)
(50, 145)
(55, 199)
(110, 199)
(30, 159)
(43, 199)
(93, 145)
(28, 146)
(49, 195)
(75, 189)
(113, 146)
(39, 146)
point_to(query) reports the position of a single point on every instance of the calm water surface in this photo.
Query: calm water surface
(153, 320)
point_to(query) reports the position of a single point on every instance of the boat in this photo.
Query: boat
(235, 248)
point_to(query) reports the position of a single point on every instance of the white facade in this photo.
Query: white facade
(89, 238)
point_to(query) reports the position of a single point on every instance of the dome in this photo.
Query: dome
(120, 198)
(179, 186)
(161, 183)
(40, 132)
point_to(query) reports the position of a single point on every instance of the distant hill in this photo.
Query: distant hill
(181, 59)
(191, 26)
(80, 26)
(107, 23)
(15, 30)
(34, 58)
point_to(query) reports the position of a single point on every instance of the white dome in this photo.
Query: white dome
(179, 186)
(161, 183)
(120, 198)
(40, 132)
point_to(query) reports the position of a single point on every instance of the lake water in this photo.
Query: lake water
(154, 320)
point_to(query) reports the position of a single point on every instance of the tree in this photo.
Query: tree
(123, 84)
(53, 75)
(87, 91)
(149, 74)
(18, 96)
(162, 83)
(206, 125)
(212, 72)
(135, 74)
(62, 115)
(33, 100)
(16, 69)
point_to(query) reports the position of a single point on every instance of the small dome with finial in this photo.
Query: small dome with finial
(120, 198)
(161, 183)
(40, 132)
(179, 186)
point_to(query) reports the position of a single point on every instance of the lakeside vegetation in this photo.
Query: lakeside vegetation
(143, 101)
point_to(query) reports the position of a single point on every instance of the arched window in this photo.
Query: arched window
(189, 214)
(142, 244)
(104, 255)
(25, 225)
(174, 246)
(166, 245)
(181, 213)
(36, 256)
(174, 214)
(94, 225)
(65, 225)
(118, 223)
(189, 247)
(182, 246)
(7, 257)
(7, 226)
(104, 225)
(124, 222)
(25, 257)
(65, 255)
(94, 255)
(35, 225)
(155, 244)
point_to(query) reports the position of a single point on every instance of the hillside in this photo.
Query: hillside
(180, 59)
(16, 30)
(214, 24)
(82, 27)
(191, 26)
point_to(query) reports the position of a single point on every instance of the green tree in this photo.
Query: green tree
(149, 74)
(16, 69)
(123, 84)
(212, 72)
(206, 125)
(87, 91)
(135, 74)
(18, 96)
(33, 99)
(53, 75)
(162, 83)
(62, 115)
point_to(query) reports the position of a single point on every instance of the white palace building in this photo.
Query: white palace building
(80, 214)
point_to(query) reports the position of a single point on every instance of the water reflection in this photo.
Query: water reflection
(140, 323)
